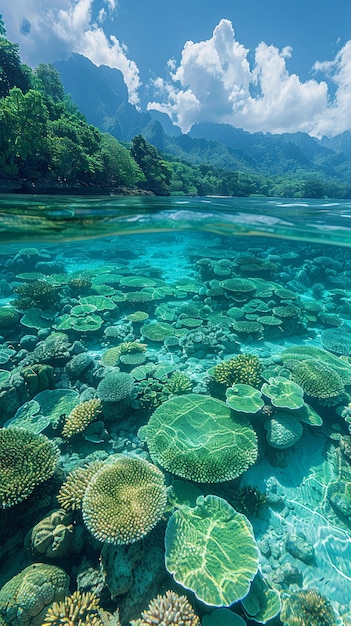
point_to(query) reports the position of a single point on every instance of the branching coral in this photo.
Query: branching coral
(72, 491)
(244, 368)
(179, 383)
(124, 500)
(82, 415)
(168, 610)
(310, 606)
(36, 293)
(26, 460)
(79, 609)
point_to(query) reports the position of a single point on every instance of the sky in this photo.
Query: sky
(261, 65)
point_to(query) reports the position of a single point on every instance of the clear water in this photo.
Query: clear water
(172, 259)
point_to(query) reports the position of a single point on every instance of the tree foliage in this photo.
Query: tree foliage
(156, 170)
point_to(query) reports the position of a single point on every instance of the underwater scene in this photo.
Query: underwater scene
(175, 411)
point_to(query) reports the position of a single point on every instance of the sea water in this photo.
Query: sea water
(183, 285)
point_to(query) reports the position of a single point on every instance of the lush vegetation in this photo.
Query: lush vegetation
(46, 140)
(46, 143)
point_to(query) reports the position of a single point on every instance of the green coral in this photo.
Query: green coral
(211, 550)
(296, 354)
(240, 289)
(24, 600)
(244, 398)
(283, 393)
(26, 460)
(157, 331)
(194, 437)
(8, 317)
(318, 380)
(115, 386)
(124, 500)
(37, 293)
(262, 603)
(244, 368)
(179, 383)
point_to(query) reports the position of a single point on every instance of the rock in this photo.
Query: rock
(298, 546)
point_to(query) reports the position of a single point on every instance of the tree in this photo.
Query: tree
(48, 81)
(23, 120)
(12, 72)
(2, 27)
(120, 169)
(156, 171)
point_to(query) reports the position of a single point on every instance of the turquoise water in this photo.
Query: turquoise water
(179, 317)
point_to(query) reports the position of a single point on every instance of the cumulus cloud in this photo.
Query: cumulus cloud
(46, 35)
(215, 81)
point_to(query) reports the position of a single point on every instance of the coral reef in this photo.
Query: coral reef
(309, 606)
(192, 436)
(124, 500)
(244, 368)
(26, 460)
(24, 600)
(72, 491)
(169, 609)
(82, 415)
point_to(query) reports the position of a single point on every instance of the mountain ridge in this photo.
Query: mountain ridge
(101, 95)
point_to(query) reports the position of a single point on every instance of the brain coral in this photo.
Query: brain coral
(124, 500)
(26, 460)
(25, 598)
(195, 437)
(168, 610)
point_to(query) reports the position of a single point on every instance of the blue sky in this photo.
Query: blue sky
(270, 66)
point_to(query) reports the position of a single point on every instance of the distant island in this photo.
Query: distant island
(69, 128)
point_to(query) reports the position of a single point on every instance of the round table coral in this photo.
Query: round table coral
(195, 437)
(124, 500)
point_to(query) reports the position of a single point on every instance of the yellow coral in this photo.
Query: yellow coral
(79, 609)
(82, 415)
(72, 491)
(168, 610)
(244, 368)
(124, 500)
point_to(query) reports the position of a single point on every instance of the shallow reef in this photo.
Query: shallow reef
(175, 441)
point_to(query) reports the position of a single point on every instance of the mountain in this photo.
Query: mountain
(340, 143)
(101, 94)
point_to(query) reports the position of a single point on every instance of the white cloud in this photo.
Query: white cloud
(214, 81)
(338, 118)
(70, 27)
